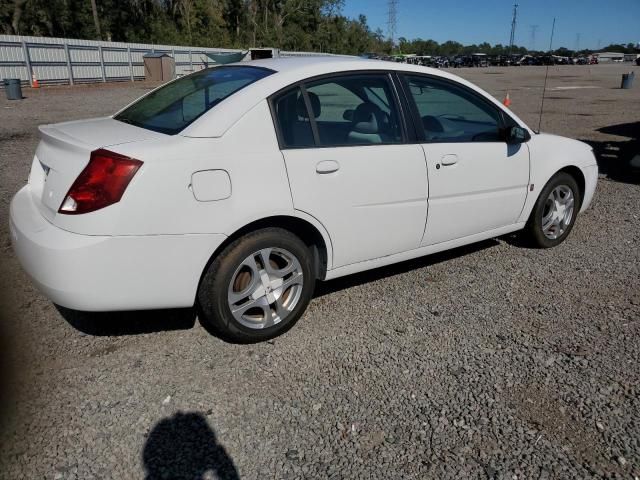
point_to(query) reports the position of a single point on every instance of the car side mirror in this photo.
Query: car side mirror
(517, 135)
(348, 115)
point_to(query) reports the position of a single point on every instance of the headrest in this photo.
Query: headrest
(432, 124)
(365, 118)
(315, 106)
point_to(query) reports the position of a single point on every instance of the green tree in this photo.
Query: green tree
(317, 25)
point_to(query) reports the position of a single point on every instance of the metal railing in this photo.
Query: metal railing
(71, 61)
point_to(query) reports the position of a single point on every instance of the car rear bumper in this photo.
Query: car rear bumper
(106, 273)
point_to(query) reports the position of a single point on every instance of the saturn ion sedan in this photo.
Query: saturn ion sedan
(237, 187)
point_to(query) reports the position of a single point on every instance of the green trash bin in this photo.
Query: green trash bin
(12, 88)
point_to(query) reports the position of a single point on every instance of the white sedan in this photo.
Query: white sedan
(237, 187)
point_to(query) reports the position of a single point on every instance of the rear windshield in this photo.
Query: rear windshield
(172, 107)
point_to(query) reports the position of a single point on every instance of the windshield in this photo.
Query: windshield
(173, 107)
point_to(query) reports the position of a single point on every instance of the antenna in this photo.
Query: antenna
(513, 27)
(392, 22)
(546, 75)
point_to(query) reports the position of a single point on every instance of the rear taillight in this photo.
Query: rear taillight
(101, 183)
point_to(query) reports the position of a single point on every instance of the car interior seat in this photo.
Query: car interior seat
(367, 125)
(433, 127)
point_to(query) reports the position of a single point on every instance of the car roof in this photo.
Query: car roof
(332, 63)
(288, 64)
(290, 70)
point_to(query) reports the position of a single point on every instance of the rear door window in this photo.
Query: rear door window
(171, 108)
(339, 111)
(293, 120)
(355, 110)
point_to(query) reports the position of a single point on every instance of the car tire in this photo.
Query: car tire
(258, 286)
(554, 213)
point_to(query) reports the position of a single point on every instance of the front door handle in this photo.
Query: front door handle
(327, 166)
(449, 159)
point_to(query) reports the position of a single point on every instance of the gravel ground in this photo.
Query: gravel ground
(490, 361)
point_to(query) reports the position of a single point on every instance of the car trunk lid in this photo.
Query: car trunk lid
(64, 151)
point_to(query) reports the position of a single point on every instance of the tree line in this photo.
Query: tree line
(451, 48)
(304, 25)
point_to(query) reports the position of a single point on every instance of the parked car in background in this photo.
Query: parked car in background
(531, 60)
(547, 60)
(498, 61)
(479, 60)
(515, 60)
(461, 61)
(441, 62)
(424, 60)
(236, 188)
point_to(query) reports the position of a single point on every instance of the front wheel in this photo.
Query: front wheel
(555, 212)
(258, 286)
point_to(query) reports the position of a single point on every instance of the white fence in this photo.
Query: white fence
(69, 61)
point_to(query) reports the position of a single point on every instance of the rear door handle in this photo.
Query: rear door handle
(449, 159)
(327, 166)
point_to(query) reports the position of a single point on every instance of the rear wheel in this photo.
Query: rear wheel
(555, 211)
(258, 286)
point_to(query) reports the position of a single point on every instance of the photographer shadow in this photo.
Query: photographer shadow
(185, 447)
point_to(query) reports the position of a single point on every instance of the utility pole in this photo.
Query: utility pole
(392, 22)
(577, 42)
(96, 20)
(513, 27)
(534, 31)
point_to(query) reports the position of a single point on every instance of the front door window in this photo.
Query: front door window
(449, 113)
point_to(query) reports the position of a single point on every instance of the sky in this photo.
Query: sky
(587, 24)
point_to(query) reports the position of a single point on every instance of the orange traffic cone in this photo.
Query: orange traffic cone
(34, 81)
(507, 101)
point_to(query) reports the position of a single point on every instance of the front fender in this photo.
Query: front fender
(551, 153)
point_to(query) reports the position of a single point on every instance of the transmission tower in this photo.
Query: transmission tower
(534, 31)
(392, 22)
(513, 27)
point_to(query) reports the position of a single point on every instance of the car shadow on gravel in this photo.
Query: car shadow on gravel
(331, 286)
(614, 158)
(184, 446)
(114, 324)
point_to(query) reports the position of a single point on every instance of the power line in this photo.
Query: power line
(534, 31)
(392, 22)
(513, 27)
(546, 75)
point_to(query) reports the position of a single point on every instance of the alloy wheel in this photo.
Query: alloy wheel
(265, 288)
(557, 213)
